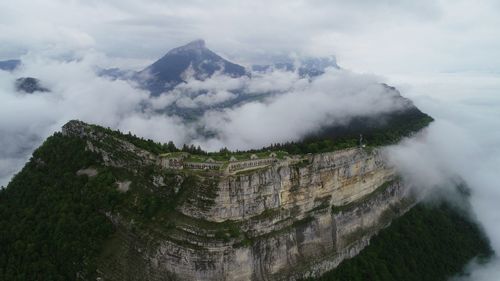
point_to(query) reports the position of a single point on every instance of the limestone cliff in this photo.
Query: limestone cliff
(289, 219)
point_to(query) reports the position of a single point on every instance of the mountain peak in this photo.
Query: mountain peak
(29, 85)
(198, 44)
(172, 68)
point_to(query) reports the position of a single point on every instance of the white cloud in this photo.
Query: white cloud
(387, 37)
(375, 36)
(76, 93)
(305, 107)
(463, 144)
(298, 106)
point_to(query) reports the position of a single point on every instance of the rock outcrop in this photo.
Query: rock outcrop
(284, 221)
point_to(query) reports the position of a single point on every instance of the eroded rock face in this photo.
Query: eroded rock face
(305, 236)
(289, 220)
(115, 152)
(298, 221)
(301, 249)
(335, 178)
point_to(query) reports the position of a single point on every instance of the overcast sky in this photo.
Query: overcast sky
(388, 36)
(443, 54)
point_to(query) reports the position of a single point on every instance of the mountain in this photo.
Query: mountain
(195, 60)
(191, 60)
(116, 73)
(309, 66)
(9, 65)
(123, 208)
(23, 84)
(96, 204)
(29, 85)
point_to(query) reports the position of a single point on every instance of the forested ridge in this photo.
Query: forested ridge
(51, 221)
(384, 129)
(53, 224)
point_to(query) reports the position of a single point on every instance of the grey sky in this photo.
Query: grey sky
(443, 54)
(373, 36)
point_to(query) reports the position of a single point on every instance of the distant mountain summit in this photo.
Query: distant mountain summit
(195, 60)
(29, 85)
(310, 66)
(191, 60)
(9, 65)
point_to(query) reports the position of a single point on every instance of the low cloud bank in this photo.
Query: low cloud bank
(461, 145)
(292, 107)
(333, 98)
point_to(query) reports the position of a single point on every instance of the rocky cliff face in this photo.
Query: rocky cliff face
(285, 221)
(335, 178)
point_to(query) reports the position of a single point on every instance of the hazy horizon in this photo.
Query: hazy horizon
(443, 55)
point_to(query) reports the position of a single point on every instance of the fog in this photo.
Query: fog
(441, 54)
(78, 93)
(332, 98)
(461, 145)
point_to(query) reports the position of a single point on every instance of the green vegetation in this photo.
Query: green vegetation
(51, 221)
(53, 224)
(146, 144)
(428, 243)
(324, 203)
(302, 163)
(384, 130)
(249, 171)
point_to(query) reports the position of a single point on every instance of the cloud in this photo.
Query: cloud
(461, 145)
(375, 36)
(333, 98)
(292, 108)
(481, 272)
(207, 99)
(76, 93)
(63, 40)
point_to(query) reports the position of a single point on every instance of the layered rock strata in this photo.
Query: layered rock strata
(288, 220)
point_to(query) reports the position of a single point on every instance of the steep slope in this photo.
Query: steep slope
(193, 59)
(96, 203)
(121, 208)
(431, 242)
(51, 220)
(181, 216)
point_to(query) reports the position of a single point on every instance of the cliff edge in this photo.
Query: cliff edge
(274, 217)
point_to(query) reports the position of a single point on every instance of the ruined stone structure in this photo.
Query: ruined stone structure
(172, 162)
(233, 165)
(203, 165)
(246, 164)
